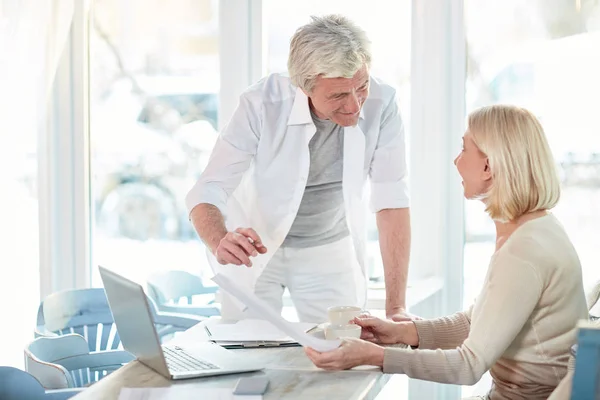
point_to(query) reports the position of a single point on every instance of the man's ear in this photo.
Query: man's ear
(487, 171)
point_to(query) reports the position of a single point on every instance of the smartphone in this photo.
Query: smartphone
(251, 385)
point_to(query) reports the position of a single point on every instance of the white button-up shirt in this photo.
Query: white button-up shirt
(259, 166)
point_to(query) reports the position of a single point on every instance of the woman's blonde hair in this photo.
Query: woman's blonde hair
(524, 173)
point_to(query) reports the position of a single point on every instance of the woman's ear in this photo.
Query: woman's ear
(487, 171)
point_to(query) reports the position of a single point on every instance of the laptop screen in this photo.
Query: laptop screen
(133, 318)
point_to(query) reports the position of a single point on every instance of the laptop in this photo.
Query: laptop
(133, 318)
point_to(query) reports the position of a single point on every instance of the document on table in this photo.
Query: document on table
(248, 330)
(182, 393)
(259, 307)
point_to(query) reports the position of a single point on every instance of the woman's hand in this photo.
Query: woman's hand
(384, 331)
(351, 353)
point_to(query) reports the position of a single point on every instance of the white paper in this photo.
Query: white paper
(248, 330)
(259, 307)
(182, 393)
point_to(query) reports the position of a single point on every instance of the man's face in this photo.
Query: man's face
(340, 99)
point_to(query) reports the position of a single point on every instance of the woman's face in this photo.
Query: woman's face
(474, 168)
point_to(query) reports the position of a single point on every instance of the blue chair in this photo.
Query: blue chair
(586, 377)
(19, 385)
(583, 374)
(60, 362)
(87, 313)
(168, 289)
(83, 311)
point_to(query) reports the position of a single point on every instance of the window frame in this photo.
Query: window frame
(438, 76)
(64, 168)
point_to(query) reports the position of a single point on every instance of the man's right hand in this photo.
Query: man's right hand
(238, 246)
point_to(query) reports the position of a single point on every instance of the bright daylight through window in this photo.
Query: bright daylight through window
(154, 100)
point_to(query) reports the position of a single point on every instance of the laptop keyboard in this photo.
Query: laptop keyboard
(180, 361)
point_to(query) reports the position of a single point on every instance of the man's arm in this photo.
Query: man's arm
(209, 223)
(389, 199)
(394, 243)
(207, 200)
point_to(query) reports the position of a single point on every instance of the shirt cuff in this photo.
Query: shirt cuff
(209, 194)
(387, 195)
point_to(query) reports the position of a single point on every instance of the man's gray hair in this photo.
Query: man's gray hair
(331, 46)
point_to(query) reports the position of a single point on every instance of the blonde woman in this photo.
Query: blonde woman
(521, 326)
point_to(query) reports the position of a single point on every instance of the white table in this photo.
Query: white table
(291, 375)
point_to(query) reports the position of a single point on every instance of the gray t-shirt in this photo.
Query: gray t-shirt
(321, 218)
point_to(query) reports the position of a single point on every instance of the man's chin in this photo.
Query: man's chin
(347, 122)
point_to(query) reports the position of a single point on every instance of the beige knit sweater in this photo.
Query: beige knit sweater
(521, 325)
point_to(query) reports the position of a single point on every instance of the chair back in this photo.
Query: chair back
(586, 377)
(86, 312)
(565, 388)
(173, 292)
(41, 353)
(18, 385)
(173, 286)
(82, 311)
(65, 361)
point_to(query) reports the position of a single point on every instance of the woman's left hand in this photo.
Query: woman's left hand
(351, 353)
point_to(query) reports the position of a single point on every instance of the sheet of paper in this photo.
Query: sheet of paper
(253, 330)
(182, 393)
(259, 307)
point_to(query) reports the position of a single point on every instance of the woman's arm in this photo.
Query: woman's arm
(511, 292)
(444, 332)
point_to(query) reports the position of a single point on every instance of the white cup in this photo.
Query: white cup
(342, 315)
(342, 331)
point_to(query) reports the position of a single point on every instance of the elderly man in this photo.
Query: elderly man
(280, 204)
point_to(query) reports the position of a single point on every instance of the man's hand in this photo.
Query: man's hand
(237, 247)
(400, 314)
(352, 352)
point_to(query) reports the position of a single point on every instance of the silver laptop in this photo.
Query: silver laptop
(133, 318)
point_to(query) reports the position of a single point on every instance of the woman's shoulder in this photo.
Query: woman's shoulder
(543, 243)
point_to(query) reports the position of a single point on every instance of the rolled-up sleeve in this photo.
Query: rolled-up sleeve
(388, 172)
(231, 156)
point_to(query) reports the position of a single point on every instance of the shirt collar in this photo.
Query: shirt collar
(300, 114)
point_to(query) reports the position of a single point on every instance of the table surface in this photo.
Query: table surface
(291, 376)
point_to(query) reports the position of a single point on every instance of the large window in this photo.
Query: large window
(389, 31)
(543, 57)
(154, 86)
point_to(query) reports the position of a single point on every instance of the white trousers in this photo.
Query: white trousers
(316, 277)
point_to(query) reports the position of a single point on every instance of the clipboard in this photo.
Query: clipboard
(251, 344)
(256, 345)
